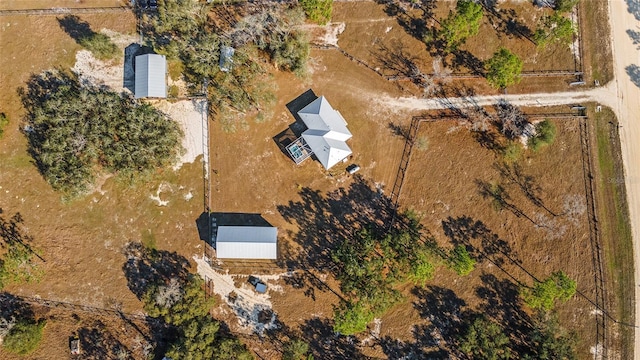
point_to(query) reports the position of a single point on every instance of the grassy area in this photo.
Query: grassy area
(595, 41)
(613, 214)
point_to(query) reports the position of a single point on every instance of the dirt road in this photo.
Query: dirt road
(623, 17)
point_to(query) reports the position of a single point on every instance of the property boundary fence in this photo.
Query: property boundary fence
(594, 237)
(601, 315)
(62, 11)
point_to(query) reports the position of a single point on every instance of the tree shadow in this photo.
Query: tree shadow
(148, 267)
(14, 307)
(463, 58)
(501, 199)
(633, 7)
(97, 342)
(635, 36)
(479, 240)
(501, 301)
(324, 220)
(527, 184)
(398, 130)
(633, 71)
(325, 344)
(78, 29)
(12, 233)
(415, 24)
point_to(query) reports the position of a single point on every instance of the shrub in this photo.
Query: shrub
(545, 135)
(512, 152)
(318, 11)
(291, 53)
(484, 339)
(173, 91)
(4, 120)
(352, 317)
(544, 294)
(100, 45)
(24, 337)
(503, 69)
(565, 5)
(460, 261)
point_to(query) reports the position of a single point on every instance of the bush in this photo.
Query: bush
(173, 91)
(24, 337)
(100, 45)
(543, 294)
(460, 261)
(484, 339)
(291, 52)
(296, 349)
(4, 120)
(318, 11)
(545, 135)
(352, 317)
(503, 69)
(512, 152)
(75, 131)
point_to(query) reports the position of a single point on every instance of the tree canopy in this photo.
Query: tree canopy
(318, 11)
(503, 69)
(485, 340)
(461, 24)
(77, 131)
(554, 28)
(24, 337)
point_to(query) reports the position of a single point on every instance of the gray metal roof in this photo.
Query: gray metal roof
(151, 76)
(247, 242)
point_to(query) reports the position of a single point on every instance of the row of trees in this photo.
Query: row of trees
(371, 266)
(504, 67)
(77, 131)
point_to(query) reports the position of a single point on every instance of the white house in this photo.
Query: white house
(247, 242)
(326, 133)
(151, 76)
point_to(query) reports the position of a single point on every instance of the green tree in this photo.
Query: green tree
(100, 45)
(18, 264)
(461, 24)
(4, 120)
(565, 5)
(554, 28)
(503, 69)
(24, 337)
(549, 341)
(176, 302)
(543, 294)
(296, 349)
(196, 340)
(74, 131)
(545, 135)
(461, 261)
(231, 349)
(318, 11)
(485, 340)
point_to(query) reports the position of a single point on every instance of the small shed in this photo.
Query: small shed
(151, 76)
(247, 242)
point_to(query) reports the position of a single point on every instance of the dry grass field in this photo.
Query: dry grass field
(83, 241)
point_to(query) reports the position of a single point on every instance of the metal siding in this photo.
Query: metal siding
(247, 242)
(151, 76)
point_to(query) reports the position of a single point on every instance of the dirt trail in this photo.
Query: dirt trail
(605, 95)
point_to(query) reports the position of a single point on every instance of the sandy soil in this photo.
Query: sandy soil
(627, 108)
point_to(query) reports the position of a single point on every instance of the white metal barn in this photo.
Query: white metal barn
(151, 76)
(247, 242)
(326, 133)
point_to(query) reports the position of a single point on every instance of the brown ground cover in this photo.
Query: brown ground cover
(83, 240)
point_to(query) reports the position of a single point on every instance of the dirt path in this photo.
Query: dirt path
(625, 54)
(606, 95)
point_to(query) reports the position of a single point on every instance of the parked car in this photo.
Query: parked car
(260, 286)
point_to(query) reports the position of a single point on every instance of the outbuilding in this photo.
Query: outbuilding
(151, 76)
(246, 242)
